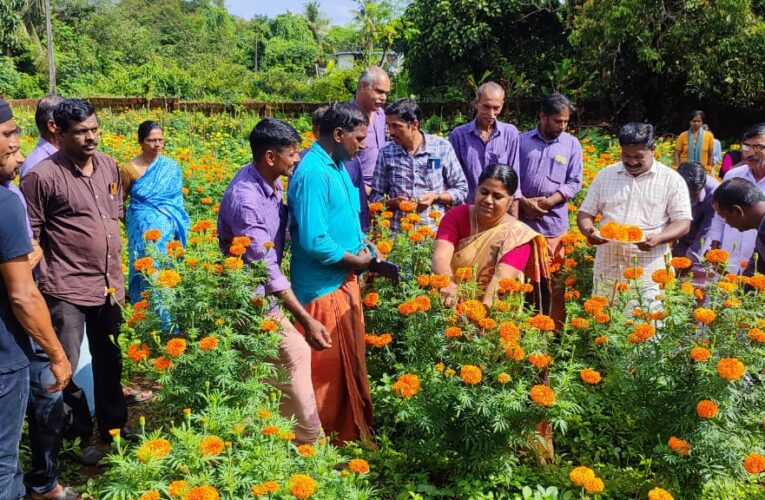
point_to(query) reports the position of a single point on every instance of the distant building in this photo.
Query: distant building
(346, 60)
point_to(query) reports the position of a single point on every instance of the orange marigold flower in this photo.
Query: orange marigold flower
(201, 226)
(726, 286)
(686, 288)
(471, 374)
(379, 340)
(542, 395)
(602, 318)
(434, 214)
(358, 466)
(718, 256)
(572, 295)
(703, 315)
(306, 450)
(453, 331)
(754, 463)
(268, 245)
(580, 475)
(423, 280)
(153, 449)
(242, 241)
(161, 364)
(152, 235)
(700, 354)
(634, 233)
(237, 250)
(595, 304)
(371, 299)
(642, 332)
(302, 486)
(515, 352)
(439, 281)
(211, 445)
(632, 273)
(681, 262)
(233, 263)
(730, 369)
(540, 360)
(510, 285)
(150, 495)
(706, 408)
(406, 206)
(269, 325)
(385, 247)
(138, 352)
(542, 322)
(407, 385)
(487, 324)
(416, 237)
(178, 488)
(463, 273)
(662, 276)
(205, 492)
(208, 343)
(601, 340)
(756, 335)
(408, 307)
(175, 347)
(168, 278)
(423, 303)
(659, 494)
(143, 264)
(376, 207)
(679, 446)
(270, 430)
(757, 282)
(590, 376)
(503, 378)
(577, 322)
(731, 303)
(594, 485)
(508, 332)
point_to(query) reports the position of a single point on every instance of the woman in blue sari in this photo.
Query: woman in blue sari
(154, 184)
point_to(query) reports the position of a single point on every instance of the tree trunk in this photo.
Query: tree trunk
(51, 62)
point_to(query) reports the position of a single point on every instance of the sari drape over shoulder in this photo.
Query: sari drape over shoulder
(485, 249)
(156, 202)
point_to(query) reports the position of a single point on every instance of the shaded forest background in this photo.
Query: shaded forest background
(621, 59)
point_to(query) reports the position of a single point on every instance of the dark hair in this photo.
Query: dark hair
(737, 191)
(274, 134)
(696, 113)
(503, 173)
(71, 111)
(341, 115)
(406, 109)
(555, 103)
(145, 128)
(44, 111)
(753, 131)
(637, 134)
(317, 114)
(694, 174)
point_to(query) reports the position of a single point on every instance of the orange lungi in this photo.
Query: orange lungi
(340, 373)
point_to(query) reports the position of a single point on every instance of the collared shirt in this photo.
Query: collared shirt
(697, 240)
(15, 345)
(324, 224)
(739, 245)
(252, 207)
(756, 262)
(434, 168)
(473, 154)
(547, 168)
(650, 201)
(42, 150)
(366, 159)
(15, 190)
(76, 220)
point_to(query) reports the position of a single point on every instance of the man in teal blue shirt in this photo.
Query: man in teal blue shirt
(328, 251)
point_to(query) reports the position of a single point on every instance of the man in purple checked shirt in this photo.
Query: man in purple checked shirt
(485, 140)
(253, 206)
(550, 174)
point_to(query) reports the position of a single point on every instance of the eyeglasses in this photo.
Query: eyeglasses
(757, 148)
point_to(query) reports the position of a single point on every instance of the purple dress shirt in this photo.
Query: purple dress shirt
(473, 154)
(547, 168)
(366, 160)
(251, 207)
(690, 245)
(757, 260)
(41, 152)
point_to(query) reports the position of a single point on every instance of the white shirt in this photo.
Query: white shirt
(650, 201)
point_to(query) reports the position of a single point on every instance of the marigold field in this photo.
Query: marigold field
(642, 403)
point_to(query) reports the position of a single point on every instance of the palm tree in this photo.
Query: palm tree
(317, 24)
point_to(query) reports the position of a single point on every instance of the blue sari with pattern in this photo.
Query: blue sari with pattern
(156, 202)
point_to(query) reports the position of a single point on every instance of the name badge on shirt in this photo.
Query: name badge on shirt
(434, 163)
(560, 159)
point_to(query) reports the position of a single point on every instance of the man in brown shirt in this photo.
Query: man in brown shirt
(75, 202)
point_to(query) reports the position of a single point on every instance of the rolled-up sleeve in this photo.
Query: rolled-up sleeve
(573, 183)
(455, 181)
(308, 208)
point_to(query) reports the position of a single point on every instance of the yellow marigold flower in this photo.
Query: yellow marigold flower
(449, 372)
(264, 414)
(152, 235)
(727, 287)
(208, 343)
(407, 385)
(590, 376)
(168, 278)
(178, 488)
(542, 395)
(503, 378)
(679, 446)
(206, 492)
(306, 450)
(471, 374)
(302, 486)
(150, 495)
(754, 463)
(594, 485)
(358, 466)
(233, 263)
(704, 315)
(153, 449)
(718, 256)
(659, 494)
(756, 335)
(700, 354)
(540, 360)
(211, 446)
(681, 262)
(730, 369)
(686, 288)
(439, 367)
(287, 435)
(580, 475)
(453, 331)
(706, 408)
(175, 347)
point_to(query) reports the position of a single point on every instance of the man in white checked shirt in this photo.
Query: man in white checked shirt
(637, 191)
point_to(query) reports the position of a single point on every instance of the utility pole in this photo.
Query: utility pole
(51, 63)
(257, 42)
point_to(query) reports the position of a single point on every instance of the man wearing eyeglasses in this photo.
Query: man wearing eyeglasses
(740, 245)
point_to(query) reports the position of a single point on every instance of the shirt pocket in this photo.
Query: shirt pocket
(557, 171)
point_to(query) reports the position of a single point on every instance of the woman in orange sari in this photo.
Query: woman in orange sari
(485, 237)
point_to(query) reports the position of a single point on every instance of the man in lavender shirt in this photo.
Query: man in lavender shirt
(252, 206)
(741, 204)
(48, 144)
(550, 175)
(485, 140)
(700, 187)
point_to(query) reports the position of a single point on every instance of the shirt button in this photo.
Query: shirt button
(96, 196)
(103, 216)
